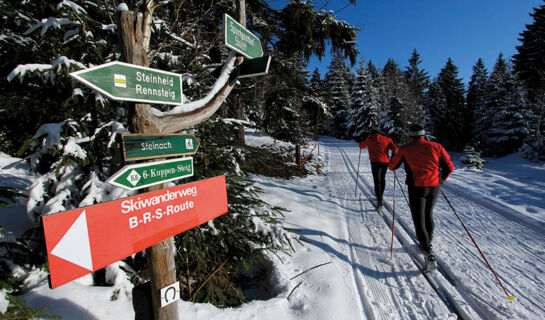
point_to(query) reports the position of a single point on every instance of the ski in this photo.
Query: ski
(429, 266)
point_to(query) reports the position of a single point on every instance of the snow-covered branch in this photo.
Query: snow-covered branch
(218, 85)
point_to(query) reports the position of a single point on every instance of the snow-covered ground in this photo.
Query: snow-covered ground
(348, 243)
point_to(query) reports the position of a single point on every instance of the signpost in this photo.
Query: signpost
(142, 175)
(141, 146)
(241, 40)
(87, 239)
(129, 82)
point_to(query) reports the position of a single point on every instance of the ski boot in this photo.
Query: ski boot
(429, 264)
(379, 205)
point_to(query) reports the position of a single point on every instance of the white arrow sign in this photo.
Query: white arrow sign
(74, 245)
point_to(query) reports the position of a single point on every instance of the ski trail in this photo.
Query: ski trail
(388, 289)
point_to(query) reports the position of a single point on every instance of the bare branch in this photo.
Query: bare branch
(320, 265)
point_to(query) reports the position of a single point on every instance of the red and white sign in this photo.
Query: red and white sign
(87, 239)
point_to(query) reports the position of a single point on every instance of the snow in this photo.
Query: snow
(76, 8)
(348, 243)
(220, 82)
(50, 22)
(3, 301)
(21, 70)
(122, 7)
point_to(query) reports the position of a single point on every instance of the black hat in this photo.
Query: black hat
(416, 130)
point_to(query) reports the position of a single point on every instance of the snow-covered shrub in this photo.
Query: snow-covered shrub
(73, 164)
(472, 159)
(534, 149)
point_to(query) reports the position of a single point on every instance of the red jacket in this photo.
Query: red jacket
(379, 146)
(427, 163)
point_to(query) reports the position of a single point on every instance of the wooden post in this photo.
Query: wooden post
(239, 106)
(160, 257)
(134, 33)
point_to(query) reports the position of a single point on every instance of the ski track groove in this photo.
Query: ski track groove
(499, 233)
(365, 304)
(372, 284)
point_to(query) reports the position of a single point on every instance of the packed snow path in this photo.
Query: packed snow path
(463, 286)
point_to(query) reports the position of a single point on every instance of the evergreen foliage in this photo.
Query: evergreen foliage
(43, 43)
(314, 103)
(529, 64)
(452, 127)
(506, 111)
(417, 81)
(436, 107)
(338, 80)
(477, 95)
(472, 159)
(19, 310)
(364, 112)
(394, 99)
(395, 126)
(307, 31)
(283, 118)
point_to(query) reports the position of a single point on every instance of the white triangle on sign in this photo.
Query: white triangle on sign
(74, 245)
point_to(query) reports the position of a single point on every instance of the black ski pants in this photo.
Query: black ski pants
(422, 200)
(379, 177)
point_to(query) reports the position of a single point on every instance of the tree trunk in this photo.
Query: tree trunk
(239, 139)
(239, 107)
(160, 257)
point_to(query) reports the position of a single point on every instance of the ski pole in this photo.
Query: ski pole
(510, 297)
(393, 218)
(406, 200)
(358, 175)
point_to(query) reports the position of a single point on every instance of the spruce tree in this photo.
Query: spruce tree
(364, 115)
(529, 63)
(506, 111)
(417, 81)
(452, 127)
(477, 95)
(394, 93)
(316, 85)
(373, 71)
(472, 159)
(396, 125)
(436, 107)
(284, 118)
(338, 88)
(314, 103)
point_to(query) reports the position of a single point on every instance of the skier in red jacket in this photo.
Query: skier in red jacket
(427, 165)
(379, 148)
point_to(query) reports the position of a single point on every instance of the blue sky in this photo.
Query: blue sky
(463, 30)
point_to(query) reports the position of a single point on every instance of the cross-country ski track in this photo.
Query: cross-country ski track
(463, 286)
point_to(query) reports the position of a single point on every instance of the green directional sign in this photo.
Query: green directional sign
(142, 175)
(241, 40)
(254, 67)
(140, 146)
(129, 82)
